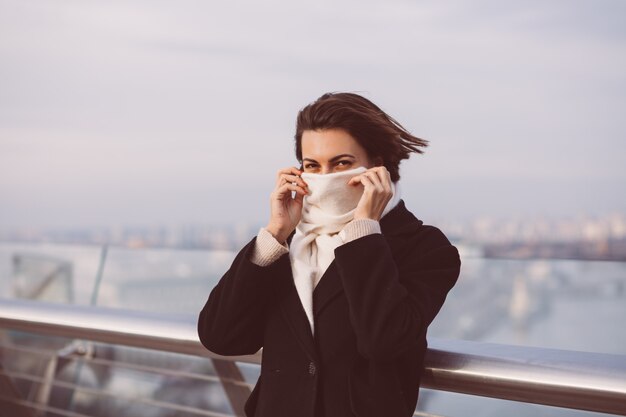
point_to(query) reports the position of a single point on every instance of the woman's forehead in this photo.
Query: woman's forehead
(329, 143)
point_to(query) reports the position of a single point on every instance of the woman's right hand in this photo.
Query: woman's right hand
(285, 210)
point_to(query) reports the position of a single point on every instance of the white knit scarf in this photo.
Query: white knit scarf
(326, 210)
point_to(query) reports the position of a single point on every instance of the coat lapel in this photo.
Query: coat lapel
(326, 289)
(293, 312)
(399, 220)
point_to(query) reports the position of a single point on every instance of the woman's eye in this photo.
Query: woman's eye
(344, 163)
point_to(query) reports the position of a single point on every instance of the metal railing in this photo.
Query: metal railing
(570, 379)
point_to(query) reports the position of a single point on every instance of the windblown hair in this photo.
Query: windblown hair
(378, 133)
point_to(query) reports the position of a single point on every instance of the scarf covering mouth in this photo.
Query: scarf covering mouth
(331, 202)
(326, 210)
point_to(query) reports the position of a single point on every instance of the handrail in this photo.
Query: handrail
(173, 332)
(570, 379)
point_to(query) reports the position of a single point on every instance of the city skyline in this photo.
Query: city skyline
(580, 237)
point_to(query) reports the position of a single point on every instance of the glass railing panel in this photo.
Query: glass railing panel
(563, 304)
(160, 280)
(48, 272)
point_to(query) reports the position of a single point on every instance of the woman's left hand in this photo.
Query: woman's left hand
(376, 194)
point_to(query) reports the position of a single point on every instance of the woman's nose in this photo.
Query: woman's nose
(326, 170)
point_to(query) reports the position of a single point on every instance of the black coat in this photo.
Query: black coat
(371, 308)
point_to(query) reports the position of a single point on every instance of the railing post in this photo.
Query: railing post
(232, 381)
(55, 366)
(10, 398)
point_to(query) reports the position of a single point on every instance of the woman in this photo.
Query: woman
(340, 286)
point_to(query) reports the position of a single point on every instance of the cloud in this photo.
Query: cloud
(203, 96)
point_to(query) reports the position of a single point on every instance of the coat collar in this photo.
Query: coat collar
(399, 221)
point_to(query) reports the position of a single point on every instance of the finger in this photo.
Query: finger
(378, 170)
(287, 188)
(388, 181)
(284, 179)
(288, 171)
(373, 177)
(299, 198)
(367, 183)
(355, 180)
(384, 172)
(384, 178)
(288, 178)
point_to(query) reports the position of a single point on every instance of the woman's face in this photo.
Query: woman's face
(331, 150)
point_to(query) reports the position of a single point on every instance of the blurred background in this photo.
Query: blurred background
(133, 113)
(139, 142)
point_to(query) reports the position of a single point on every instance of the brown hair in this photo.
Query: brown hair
(378, 133)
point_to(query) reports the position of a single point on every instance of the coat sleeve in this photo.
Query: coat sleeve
(391, 305)
(232, 321)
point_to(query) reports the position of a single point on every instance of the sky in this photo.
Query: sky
(153, 112)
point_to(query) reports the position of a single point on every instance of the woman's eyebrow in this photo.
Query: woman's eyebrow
(343, 155)
(333, 159)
